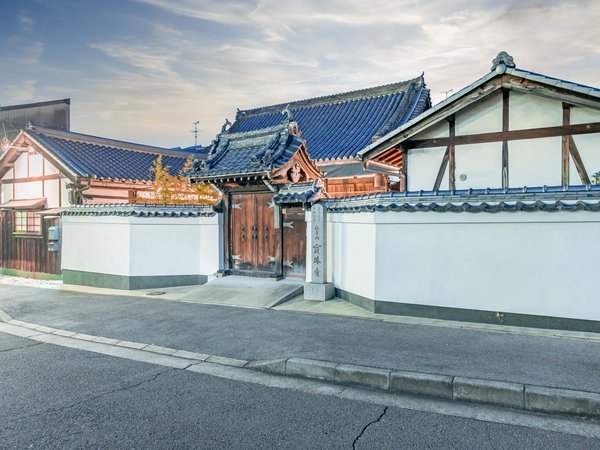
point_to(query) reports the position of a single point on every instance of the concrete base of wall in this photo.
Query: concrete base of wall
(319, 291)
(469, 315)
(105, 280)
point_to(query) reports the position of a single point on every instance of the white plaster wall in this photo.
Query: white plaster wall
(49, 169)
(504, 262)
(132, 246)
(96, 244)
(6, 193)
(438, 130)
(36, 163)
(423, 166)
(581, 114)
(31, 189)
(64, 192)
(8, 175)
(174, 246)
(535, 162)
(481, 163)
(533, 111)
(353, 251)
(589, 150)
(20, 167)
(52, 193)
(482, 117)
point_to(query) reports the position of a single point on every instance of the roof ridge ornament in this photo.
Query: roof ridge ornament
(289, 117)
(501, 62)
(226, 126)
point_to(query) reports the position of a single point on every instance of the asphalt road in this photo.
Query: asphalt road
(266, 334)
(55, 397)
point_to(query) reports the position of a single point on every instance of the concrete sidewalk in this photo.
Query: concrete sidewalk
(254, 334)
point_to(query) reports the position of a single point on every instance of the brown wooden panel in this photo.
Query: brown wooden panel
(255, 243)
(265, 234)
(241, 215)
(27, 253)
(294, 242)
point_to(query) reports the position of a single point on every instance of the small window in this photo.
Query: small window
(28, 222)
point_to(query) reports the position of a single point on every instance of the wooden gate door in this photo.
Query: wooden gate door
(294, 242)
(254, 240)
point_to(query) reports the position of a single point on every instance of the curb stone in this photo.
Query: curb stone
(421, 383)
(516, 395)
(485, 391)
(562, 401)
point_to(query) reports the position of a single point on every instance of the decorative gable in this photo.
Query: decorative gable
(299, 169)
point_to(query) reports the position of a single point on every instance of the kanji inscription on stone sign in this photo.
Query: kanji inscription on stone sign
(318, 244)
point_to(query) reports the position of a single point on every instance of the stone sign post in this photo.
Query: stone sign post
(318, 288)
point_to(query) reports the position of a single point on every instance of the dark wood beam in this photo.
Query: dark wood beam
(56, 176)
(451, 154)
(566, 118)
(505, 129)
(533, 133)
(404, 171)
(442, 170)
(585, 179)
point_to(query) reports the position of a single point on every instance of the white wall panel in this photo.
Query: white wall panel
(481, 163)
(52, 193)
(581, 114)
(438, 130)
(589, 150)
(20, 166)
(6, 192)
(131, 246)
(504, 262)
(484, 116)
(36, 163)
(533, 111)
(353, 255)
(535, 162)
(8, 175)
(423, 166)
(64, 192)
(97, 246)
(32, 189)
(49, 168)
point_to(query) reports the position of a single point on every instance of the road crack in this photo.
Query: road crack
(367, 426)
(95, 397)
(22, 347)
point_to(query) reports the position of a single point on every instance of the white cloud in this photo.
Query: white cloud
(255, 53)
(23, 92)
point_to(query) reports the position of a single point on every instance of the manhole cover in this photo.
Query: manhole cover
(156, 293)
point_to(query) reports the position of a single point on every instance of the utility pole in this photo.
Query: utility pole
(195, 131)
(448, 92)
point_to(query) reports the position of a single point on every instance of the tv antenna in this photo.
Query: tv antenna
(448, 92)
(195, 131)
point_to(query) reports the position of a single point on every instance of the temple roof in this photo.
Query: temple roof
(249, 154)
(88, 156)
(333, 127)
(339, 126)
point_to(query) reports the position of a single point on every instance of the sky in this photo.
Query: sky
(145, 70)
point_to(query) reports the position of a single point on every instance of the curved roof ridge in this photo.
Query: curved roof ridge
(375, 91)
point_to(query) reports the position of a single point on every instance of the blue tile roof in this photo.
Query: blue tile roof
(250, 153)
(95, 157)
(338, 126)
(538, 198)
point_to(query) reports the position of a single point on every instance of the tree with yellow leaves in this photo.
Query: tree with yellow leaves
(176, 189)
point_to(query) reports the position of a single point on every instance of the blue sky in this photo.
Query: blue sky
(145, 70)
